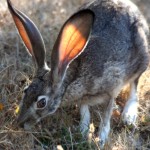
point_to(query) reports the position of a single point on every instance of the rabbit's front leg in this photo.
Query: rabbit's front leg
(85, 119)
(104, 128)
(75, 92)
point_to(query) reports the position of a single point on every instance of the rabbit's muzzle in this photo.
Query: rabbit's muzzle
(26, 124)
(27, 119)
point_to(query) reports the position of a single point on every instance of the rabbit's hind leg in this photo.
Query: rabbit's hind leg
(130, 111)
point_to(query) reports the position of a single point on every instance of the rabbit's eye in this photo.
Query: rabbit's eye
(41, 103)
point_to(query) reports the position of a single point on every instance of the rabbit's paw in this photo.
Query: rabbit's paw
(129, 113)
(84, 129)
(84, 125)
(103, 135)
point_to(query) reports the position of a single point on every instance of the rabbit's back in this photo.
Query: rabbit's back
(117, 49)
(120, 14)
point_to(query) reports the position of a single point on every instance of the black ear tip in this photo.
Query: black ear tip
(9, 5)
(11, 8)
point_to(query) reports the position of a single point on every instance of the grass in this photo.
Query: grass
(59, 131)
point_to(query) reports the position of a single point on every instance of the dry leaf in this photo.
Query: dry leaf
(17, 109)
(1, 106)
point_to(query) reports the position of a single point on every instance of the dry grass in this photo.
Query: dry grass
(59, 131)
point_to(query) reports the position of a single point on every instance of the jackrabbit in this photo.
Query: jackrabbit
(100, 48)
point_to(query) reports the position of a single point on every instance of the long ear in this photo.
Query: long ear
(29, 34)
(71, 41)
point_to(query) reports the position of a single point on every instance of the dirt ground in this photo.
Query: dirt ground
(59, 131)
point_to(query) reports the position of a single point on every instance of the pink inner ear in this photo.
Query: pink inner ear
(23, 34)
(72, 45)
(73, 38)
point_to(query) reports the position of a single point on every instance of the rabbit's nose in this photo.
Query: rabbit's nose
(21, 125)
(26, 125)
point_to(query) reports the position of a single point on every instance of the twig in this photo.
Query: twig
(71, 138)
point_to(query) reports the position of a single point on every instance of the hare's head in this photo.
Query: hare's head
(43, 95)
